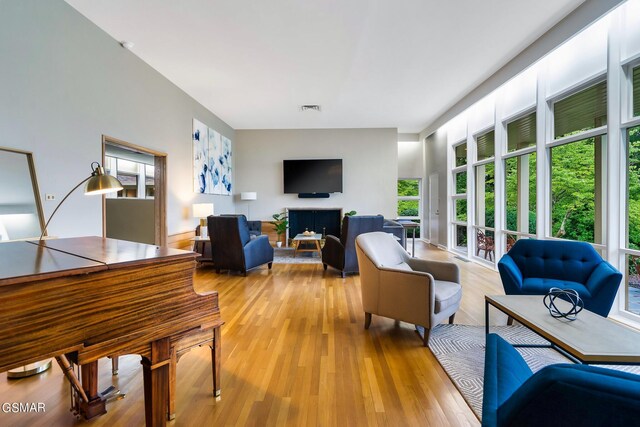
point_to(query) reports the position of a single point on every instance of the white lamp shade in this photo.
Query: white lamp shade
(248, 195)
(202, 210)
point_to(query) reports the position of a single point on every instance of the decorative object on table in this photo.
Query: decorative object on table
(569, 295)
(212, 160)
(96, 183)
(340, 253)
(395, 285)
(202, 211)
(280, 224)
(249, 196)
(533, 266)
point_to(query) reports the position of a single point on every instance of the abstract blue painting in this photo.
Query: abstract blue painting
(200, 138)
(212, 161)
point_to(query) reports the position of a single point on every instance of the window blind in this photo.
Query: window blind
(485, 145)
(636, 91)
(461, 154)
(521, 133)
(581, 111)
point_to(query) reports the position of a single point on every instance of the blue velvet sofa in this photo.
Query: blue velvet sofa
(557, 395)
(531, 267)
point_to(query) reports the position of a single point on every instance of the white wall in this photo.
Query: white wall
(63, 84)
(410, 159)
(369, 161)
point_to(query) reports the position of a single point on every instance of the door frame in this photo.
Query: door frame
(160, 186)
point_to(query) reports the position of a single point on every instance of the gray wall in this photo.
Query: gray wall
(370, 168)
(131, 219)
(436, 163)
(63, 84)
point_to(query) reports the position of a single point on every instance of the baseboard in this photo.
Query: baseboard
(181, 240)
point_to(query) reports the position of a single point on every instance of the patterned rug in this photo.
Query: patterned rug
(285, 256)
(460, 351)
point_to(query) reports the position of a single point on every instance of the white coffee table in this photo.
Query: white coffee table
(311, 238)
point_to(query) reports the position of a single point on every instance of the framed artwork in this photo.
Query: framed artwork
(212, 161)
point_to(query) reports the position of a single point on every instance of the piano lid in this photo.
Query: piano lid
(21, 261)
(114, 252)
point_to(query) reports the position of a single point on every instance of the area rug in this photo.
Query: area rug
(285, 256)
(460, 351)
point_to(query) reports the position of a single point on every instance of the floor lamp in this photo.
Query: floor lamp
(249, 196)
(97, 183)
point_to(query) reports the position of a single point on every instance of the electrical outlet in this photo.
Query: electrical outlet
(49, 197)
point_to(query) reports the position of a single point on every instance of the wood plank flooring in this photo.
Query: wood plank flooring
(294, 352)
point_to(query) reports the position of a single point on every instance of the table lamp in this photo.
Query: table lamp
(202, 211)
(249, 195)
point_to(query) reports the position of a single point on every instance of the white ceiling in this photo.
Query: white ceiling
(368, 63)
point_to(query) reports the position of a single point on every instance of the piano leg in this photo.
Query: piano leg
(171, 414)
(95, 405)
(156, 383)
(215, 361)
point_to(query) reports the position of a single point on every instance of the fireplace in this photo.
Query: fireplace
(320, 220)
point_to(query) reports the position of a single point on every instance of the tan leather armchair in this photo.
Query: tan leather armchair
(397, 286)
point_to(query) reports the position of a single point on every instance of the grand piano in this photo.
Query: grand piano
(81, 299)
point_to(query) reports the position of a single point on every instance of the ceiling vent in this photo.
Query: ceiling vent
(309, 108)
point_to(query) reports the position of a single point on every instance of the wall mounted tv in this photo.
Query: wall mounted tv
(314, 176)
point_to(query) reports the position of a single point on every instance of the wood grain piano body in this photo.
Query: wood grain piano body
(95, 297)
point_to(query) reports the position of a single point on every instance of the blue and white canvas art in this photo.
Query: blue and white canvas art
(212, 161)
(225, 161)
(200, 139)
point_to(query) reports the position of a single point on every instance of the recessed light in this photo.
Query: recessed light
(310, 107)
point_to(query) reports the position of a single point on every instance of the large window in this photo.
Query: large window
(409, 200)
(577, 166)
(484, 218)
(520, 179)
(632, 241)
(459, 198)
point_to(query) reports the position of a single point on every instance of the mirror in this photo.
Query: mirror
(20, 209)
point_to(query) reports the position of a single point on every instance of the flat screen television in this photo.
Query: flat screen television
(312, 176)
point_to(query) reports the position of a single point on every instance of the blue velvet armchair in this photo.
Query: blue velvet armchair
(557, 395)
(232, 247)
(532, 267)
(341, 253)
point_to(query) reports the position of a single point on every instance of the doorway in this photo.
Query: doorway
(138, 212)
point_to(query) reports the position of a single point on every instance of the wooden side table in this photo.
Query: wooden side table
(200, 246)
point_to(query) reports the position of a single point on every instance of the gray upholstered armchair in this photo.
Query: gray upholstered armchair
(232, 248)
(341, 253)
(400, 287)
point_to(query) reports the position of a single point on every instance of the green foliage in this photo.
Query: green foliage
(573, 190)
(634, 188)
(461, 183)
(280, 223)
(408, 208)
(511, 182)
(408, 187)
(350, 213)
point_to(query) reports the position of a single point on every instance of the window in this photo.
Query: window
(137, 178)
(632, 240)
(520, 179)
(409, 201)
(459, 198)
(576, 190)
(484, 174)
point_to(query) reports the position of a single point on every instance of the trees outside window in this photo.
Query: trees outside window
(409, 200)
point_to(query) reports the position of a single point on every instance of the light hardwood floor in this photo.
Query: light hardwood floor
(294, 352)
